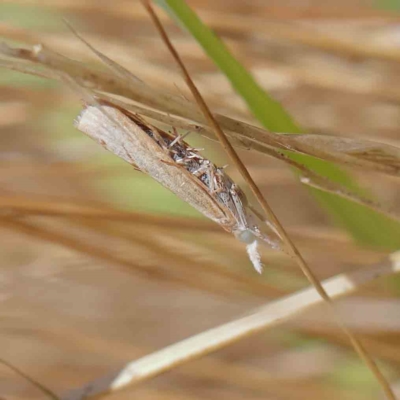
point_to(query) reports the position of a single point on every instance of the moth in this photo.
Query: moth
(172, 162)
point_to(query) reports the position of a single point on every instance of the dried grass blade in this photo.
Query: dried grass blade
(50, 394)
(121, 71)
(371, 155)
(356, 153)
(210, 276)
(13, 205)
(28, 68)
(131, 89)
(206, 342)
(312, 179)
(90, 250)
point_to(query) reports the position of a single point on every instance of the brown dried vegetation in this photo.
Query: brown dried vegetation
(92, 281)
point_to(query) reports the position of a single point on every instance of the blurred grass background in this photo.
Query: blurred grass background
(82, 296)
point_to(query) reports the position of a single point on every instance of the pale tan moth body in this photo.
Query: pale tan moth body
(140, 150)
(177, 166)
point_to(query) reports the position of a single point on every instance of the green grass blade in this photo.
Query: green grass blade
(259, 103)
(365, 225)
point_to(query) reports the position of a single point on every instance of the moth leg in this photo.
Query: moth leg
(203, 167)
(213, 182)
(175, 131)
(186, 134)
(178, 137)
(192, 154)
(205, 170)
(235, 194)
(218, 183)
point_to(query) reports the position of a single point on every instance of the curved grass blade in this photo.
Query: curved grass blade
(359, 153)
(46, 63)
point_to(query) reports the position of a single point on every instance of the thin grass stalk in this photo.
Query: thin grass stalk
(291, 247)
(268, 316)
(47, 392)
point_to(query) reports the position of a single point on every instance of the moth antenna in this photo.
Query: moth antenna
(273, 244)
(254, 256)
(175, 131)
(185, 135)
(273, 228)
(118, 69)
(268, 223)
(178, 138)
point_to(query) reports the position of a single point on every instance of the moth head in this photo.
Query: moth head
(248, 237)
(245, 236)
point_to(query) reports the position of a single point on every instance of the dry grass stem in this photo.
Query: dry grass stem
(208, 277)
(19, 206)
(47, 392)
(206, 342)
(350, 152)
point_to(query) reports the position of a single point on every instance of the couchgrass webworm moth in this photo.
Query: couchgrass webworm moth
(173, 163)
(177, 166)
